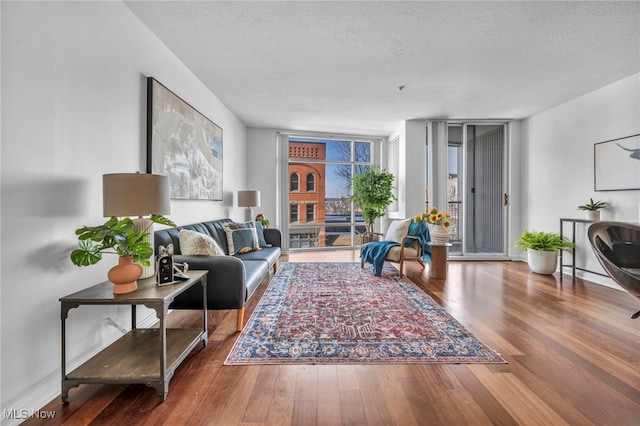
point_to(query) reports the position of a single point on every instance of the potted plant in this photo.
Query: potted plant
(263, 220)
(439, 224)
(542, 249)
(373, 192)
(119, 237)
(593, 208)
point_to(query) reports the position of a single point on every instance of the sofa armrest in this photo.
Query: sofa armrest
(226, 286)
(273, 236)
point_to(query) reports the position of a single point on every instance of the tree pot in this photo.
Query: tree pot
(124, 275)
(542, 262)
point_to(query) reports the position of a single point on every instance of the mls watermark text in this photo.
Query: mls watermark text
(23, 414)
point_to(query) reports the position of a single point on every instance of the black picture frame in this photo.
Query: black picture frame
(616, 164)
(184, 145)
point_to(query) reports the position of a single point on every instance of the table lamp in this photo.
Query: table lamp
(248, 199)
(137, 194)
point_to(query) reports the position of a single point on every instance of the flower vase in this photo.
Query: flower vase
(439, 235)
(124, 275)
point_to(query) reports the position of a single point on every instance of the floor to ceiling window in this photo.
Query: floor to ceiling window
(319, 213)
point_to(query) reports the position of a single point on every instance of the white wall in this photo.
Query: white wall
(558, 159)
(263, 163)
(412, 137)
(74, 108)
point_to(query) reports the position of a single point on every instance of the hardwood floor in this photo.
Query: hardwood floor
(573, 358)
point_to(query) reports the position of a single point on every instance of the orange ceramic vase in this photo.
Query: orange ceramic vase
(124, 275)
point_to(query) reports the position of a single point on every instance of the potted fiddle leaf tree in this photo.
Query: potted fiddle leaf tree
(373, 192)
(542, 250)
(117, 236)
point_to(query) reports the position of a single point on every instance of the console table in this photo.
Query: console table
(438, 268)
(148, 356)
(573, 250)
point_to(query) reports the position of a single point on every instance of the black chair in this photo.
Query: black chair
(617, 248)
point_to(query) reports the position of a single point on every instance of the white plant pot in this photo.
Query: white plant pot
(593, 215)
(542, 262)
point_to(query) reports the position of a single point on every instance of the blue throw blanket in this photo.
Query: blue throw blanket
(376, 252)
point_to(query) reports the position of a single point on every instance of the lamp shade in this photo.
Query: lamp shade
(248, 198)
(135, 194)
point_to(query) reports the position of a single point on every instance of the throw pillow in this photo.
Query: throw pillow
(195, 243)
(397, 230)
(241, 237)
(260, 231)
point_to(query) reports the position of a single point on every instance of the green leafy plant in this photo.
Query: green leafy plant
(542, 241)
(263, 220)
(594, 205)
(373, 192)
(114, 236)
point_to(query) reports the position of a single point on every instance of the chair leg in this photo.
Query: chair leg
(240, 319)
(401, 265)
(361, 263)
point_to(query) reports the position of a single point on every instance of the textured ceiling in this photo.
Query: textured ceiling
(337, 66)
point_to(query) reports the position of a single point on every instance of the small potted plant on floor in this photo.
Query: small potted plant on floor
(542, 249)
(593, 208)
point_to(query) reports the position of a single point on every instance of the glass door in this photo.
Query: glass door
(476, 188)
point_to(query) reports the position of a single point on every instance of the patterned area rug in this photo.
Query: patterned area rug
(330, 313)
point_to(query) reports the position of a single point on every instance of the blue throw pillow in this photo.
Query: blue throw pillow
(260, 230)
(241, 237)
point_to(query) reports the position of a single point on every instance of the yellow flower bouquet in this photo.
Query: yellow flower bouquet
(435, 217)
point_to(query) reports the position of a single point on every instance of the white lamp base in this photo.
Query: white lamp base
(248, 214)
(145, 224)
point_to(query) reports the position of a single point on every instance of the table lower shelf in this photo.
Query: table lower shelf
(135, 357)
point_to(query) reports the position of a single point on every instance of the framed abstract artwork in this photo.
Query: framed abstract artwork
(183, 144)
(617, 164)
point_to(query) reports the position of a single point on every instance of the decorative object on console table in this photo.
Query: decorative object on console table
(137, 194)
(184, 145)
(593, 209)
(542, 250)
(118, 236)
(248, 199)
(617, 164)
(439, 224)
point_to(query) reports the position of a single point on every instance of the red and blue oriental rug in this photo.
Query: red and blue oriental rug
(331, 313)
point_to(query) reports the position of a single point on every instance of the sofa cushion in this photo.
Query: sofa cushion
(194, 243)
(270, 255)
(241, 237)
